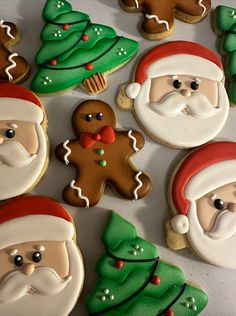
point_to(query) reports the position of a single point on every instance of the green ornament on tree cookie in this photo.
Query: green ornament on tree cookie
(225, 27)
(134, 281)
(76, 51)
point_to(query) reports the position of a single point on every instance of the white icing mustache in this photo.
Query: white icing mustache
(224, 226)
(13, 154)
(197, 105)
(43, 281)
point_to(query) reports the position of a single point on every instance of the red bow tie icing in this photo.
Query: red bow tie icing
(106, 135)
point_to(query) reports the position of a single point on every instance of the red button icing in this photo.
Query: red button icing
(89, 66)
(66, 27)
(156, 280)
(119, 264)
(53, 62)
(85, 37)
(169, 312)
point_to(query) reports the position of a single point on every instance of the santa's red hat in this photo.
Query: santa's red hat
(33, 218)
(176, 58)
(20, 104)
(203, 170)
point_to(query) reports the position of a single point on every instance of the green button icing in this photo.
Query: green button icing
(101, 152)
(103, 163)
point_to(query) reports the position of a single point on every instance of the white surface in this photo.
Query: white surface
(149, 213)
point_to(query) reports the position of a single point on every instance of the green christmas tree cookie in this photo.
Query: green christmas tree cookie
(76, 51)
(225, 27)
(133, 281)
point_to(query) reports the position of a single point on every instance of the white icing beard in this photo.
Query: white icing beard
(220, 252)
(59, 304)
(18, 178)
(180, 130)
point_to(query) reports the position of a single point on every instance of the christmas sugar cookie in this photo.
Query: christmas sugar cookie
(177, 95)
(159, 15)
(23, 140)
(133, 280)
(76, 51)
(13, 68)
(101, 155)
(225, 27)
(41, 269)
(203, 204)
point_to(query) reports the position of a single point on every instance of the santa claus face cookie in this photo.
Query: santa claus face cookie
(39, 265)
(100, 155)
(203, 204)
(178, 97)
(23, 142)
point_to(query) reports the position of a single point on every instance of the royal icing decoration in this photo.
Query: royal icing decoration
(140, 184)
(8, 29)
(202, 6)
(13, 68)
(134, 140)
(13, 65)
(76, 51)
(178, 115)
(101, 156)
(38, 264)
(200, 200)
(225, 27)
(126, 279)
(23, 159)
(159, 19)
(68, 151)
(79, 192)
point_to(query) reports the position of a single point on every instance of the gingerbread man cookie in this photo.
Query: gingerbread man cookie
(13, 68)
(159, 14)
(100, 155)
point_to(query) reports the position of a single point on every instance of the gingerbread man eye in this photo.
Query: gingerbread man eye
(10, 133)
(177, 84)
(194, 85)
(99, 116)
(219, 204)
(37, 256)
(89, 117)
(18, 261)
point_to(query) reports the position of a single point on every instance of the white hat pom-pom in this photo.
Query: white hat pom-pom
(132, 90)
(180, 224)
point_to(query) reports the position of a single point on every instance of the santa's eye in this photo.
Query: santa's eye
(18, 261)
(219, 204)
(10, 133)
(194, 85)
(177, 84)
(99, 116)
(89, 117)
(36, 256)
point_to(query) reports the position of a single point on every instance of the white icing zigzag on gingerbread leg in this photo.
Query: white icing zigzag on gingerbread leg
(79, 191)
(13, 65)
(158, 21)
(203, 7)
(140, 184)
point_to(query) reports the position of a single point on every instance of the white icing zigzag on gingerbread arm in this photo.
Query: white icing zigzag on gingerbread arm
(135, 148)
(8, 29)
(158, 21)
(136, 3)
(13, 65)
(68, 152)
(203, 7)
(79, 191)
(140, 184)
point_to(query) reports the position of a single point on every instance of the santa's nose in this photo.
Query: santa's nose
(185, 92)
(232, 207)
(28, 269)
(1, 139)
